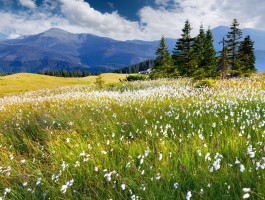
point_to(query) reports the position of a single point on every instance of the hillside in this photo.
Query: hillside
(163, 139)
(23, 82)
(57, 49)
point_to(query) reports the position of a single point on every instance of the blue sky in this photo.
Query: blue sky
(126, 19)
(126, 8)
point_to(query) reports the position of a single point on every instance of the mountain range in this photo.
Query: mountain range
(57, 49)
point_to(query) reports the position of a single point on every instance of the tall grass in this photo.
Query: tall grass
(148, 140)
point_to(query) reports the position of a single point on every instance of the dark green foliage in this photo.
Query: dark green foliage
(204, 53)
(65, 73)
(164, 66)
(246, 55)
(162, 53)
(210, 55)
(183, 52)
(199, 47)
(233, 42)
(142, 66)
(5, 74)
(136, 78)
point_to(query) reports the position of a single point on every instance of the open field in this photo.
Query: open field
(16, 83)
(143, 140)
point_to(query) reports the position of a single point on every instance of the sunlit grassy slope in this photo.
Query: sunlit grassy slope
(24, 82)
(164, 139)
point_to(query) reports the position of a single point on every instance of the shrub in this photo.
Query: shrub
(99, 82)
(205, 83)
(136, 78)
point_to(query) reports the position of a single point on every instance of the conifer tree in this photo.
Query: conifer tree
(164, 64)
(210, 55)
(183, 52)
(233, 42)
(199, 47)
(162, 53)
(246, 55)
(199, 53)
(205, 53)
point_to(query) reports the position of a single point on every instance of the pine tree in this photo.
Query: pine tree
(233, 42)
(210, 64)
(199, 53)
(199, 47)
(205, 53)
(162, 52)
(164, 64)
(183, 52)
(246, 55)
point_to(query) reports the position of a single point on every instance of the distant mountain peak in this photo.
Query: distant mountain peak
(55, 32)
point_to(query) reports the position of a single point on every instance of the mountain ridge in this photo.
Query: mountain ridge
(94, 53)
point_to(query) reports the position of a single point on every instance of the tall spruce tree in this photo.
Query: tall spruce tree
(183, 52)
(210, 55)
(233, 42)
(246, 55)
(164, 66)
(199, 47)
(162, 53)
(199, 53)
(205, 53)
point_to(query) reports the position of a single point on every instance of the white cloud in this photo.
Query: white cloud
(167, 18)
(28, 3)
(250, 13)
(162, 2)
(79, 13)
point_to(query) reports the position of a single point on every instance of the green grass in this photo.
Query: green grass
(145, 135)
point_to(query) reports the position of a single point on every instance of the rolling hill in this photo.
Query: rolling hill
(57, 49)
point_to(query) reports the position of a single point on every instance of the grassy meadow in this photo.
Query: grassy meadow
(23, 82)
(164, 139)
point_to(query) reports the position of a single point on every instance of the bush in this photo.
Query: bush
(205, 83)
(136, 78)
(99, 82)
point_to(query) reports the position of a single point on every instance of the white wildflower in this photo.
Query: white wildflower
(11, 156)
(242, 168)
(64, 188)
(22, 162)
(246, 189)
(38, 181)
(189, 195)
(7, 190)
(246, 196)
(160, 156)
(207, 156)
(123, 186)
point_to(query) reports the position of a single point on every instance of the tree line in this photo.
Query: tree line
(65, 73)
(142, 66)
(196, 57)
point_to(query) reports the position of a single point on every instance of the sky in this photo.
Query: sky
(126, 19)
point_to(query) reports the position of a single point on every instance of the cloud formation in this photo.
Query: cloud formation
(166, 18)
(28, 3)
